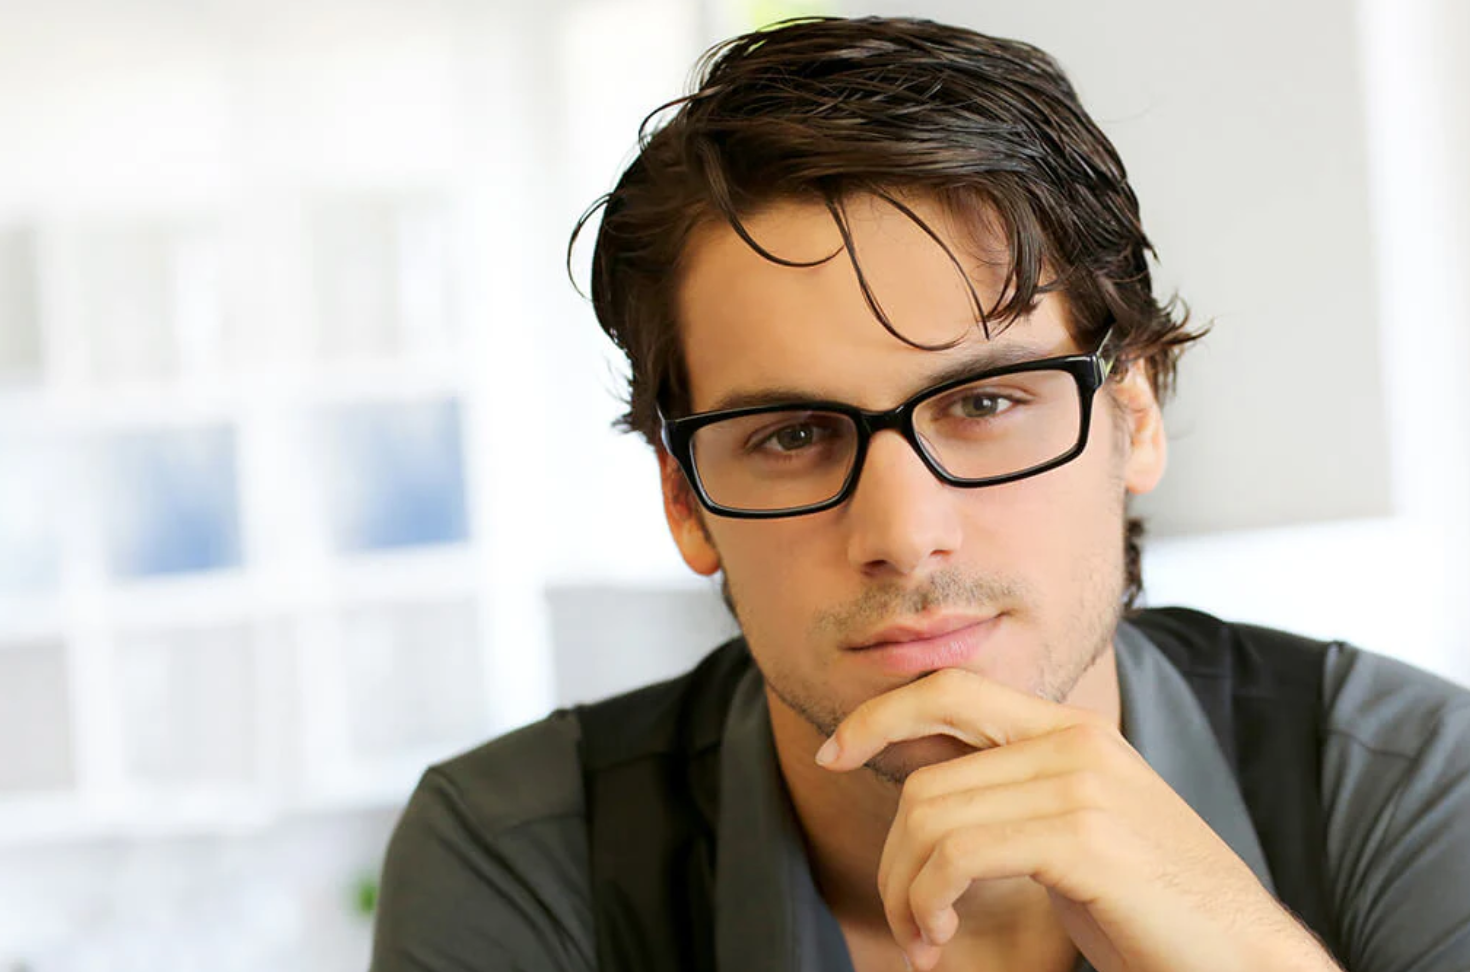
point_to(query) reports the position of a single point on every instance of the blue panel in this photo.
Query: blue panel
(173, 504)
(398, 476)
(30, 545)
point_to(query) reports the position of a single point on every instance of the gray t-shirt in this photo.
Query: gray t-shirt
(488, 867)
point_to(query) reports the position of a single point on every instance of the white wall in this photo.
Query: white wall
(1398, 583)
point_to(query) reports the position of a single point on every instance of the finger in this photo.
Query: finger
(907, 933)
(923, 956)
(953, 702)
(921, 827)
(1045, 849)
(1084, 748)
(1030, 759)
(925, 823)
(927, 811)
(904, 853)
(922, 952)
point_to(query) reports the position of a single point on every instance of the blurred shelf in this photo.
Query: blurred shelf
(38, 820)
(27, 820)
(31, 616)
(182, 600)
(228, 395)
(400, 576)
(403, 576)
(406, 574)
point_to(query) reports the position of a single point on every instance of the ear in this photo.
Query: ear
(1143, 423)
(681, 509)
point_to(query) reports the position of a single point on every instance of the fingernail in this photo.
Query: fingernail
(906, 963)
(829, 752)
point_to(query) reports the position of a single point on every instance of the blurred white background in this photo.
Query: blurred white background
(306, 478)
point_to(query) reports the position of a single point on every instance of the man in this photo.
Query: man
(884, 293)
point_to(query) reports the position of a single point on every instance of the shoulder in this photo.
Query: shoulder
(1378, 703)
(531, 775)
(487, 867)
(1396, 797)
(1393, 741)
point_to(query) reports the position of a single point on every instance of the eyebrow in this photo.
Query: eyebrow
(985, 360)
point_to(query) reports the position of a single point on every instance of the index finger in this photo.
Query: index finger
(977, 711)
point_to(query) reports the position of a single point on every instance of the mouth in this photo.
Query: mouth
(917, 648)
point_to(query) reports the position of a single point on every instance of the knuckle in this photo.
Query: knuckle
(860, 718)
(953, 683)
(950, 853)
(856, 721)
(1091, 828)
(948, 676)
(1093, 735)
(924, 898)
(922, 823)
(921, 785)
(1083, 789)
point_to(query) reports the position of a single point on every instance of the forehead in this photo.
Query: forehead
(748, 324)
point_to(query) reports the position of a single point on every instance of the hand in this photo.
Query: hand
(1139, 881)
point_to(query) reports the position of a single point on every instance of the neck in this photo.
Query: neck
(845, 819)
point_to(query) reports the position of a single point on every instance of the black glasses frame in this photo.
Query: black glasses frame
(1090, 371)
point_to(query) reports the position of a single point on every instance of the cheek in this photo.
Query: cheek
(1053, 526)
(774, 567)
(779, 576)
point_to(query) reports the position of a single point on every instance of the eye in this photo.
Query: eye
(791, 438)
(977, 405)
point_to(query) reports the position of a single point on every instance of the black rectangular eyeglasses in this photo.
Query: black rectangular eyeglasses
(993, 426)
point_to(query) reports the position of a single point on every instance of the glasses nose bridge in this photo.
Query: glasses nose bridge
(898, 419)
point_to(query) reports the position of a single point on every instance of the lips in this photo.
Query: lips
(935, 628)
(910, 649)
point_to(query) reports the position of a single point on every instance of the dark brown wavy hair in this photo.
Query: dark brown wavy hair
(825, 109)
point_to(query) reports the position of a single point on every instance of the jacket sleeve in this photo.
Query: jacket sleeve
(472, 882)
(1396, 774)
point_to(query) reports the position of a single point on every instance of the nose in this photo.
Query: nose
(901, 519)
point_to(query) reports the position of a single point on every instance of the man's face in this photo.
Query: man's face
(1030, 572)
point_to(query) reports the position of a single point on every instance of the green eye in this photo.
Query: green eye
(794, 437)
(981, 406)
